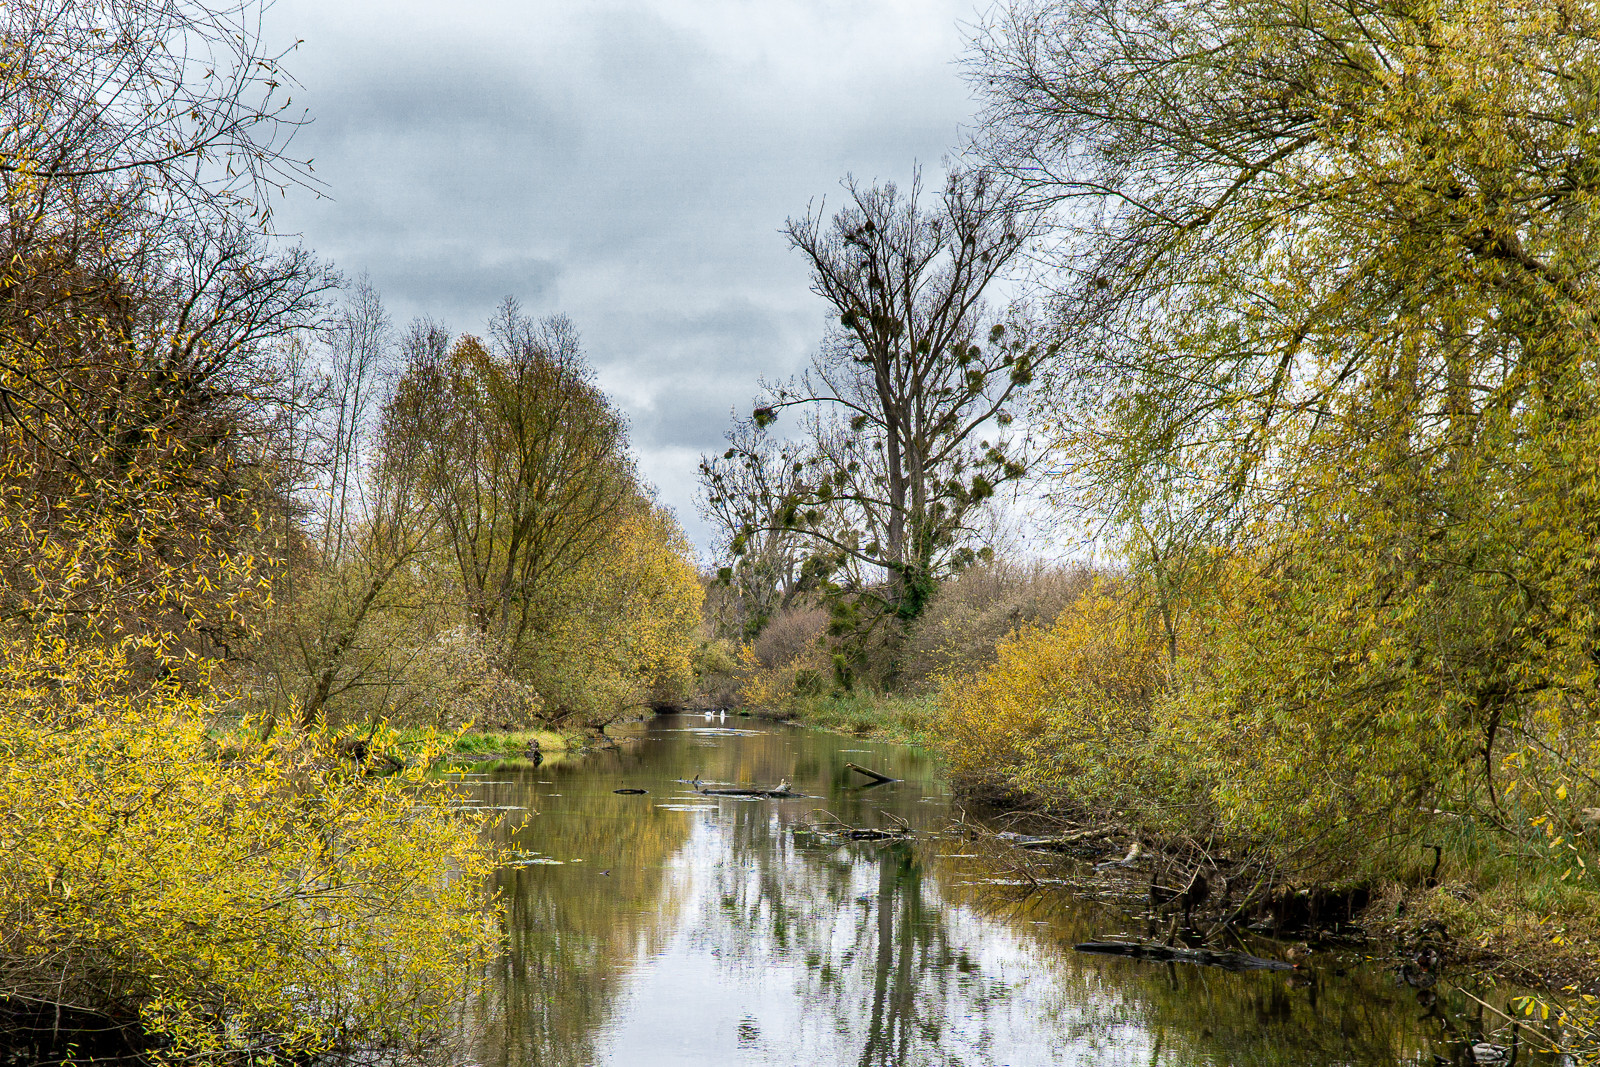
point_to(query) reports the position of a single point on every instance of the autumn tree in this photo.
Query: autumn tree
(138, 295)
(569, 578)
(524, 463)
(1329, 287)
(203, 894)
(905, 407)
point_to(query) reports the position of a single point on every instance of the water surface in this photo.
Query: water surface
(675, 928)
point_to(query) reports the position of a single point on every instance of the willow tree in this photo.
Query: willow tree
(1331, 285)
(523, 461)
(906, 404)
(139, 144)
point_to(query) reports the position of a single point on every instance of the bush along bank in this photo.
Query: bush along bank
(907, 720)
(1179, 730)
(1128, 728)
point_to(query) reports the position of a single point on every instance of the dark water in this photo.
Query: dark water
(673, 928)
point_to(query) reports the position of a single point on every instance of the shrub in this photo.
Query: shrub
(1066, 713)
(794, 634)
(973, 612)
(269, 899)
(786, 659)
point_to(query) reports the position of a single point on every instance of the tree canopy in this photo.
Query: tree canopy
(905, 408)
(1327, 304)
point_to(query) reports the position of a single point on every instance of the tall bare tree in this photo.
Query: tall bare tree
(906, 404)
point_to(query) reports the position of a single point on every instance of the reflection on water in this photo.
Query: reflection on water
(669, 928)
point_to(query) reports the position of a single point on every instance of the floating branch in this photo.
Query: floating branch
(1205, 957)
(877, 779)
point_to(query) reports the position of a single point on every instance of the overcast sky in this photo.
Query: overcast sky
(626, 163)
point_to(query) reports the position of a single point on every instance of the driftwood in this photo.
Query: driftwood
(1135, 851)
(877, 779)
(771, 794)
(1055, 843)
(1205, 957)
(900, 832)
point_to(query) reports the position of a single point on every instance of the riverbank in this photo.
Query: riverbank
(515, 744)
(1470, 903)
(878, 716)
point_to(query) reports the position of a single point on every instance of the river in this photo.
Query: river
(669, 927)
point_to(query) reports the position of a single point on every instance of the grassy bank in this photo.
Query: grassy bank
(511, 744)
(880, 716)
(1494, 911)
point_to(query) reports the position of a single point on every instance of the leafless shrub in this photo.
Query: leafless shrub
(792, 635)
(972, 612)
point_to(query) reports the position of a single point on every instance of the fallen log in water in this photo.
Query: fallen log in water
(770, 794)
(1205, 957)
(1057, 843)
(877, 779)
(872, 833)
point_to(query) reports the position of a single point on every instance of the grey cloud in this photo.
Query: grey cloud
(629, 163)
(700, 367)
(460, 282)
(421, 95)
(690, 416)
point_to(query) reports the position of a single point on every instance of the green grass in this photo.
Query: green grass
(1502, 901)
(885, 717)
(511, 742)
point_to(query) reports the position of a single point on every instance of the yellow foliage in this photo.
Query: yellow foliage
(759, 688)
(249, 899)
(1062, 711)
(787, 661)
(768, 688)
(260, 898)
(622, 628)
(1366, 374)
(243, 901)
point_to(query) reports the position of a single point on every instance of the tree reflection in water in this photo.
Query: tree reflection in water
(573, 931)
(731, 931)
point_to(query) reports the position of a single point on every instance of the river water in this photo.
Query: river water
(674, 928)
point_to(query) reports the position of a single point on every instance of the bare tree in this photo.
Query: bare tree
(907, 402)
(167, 106)
(356, 373)
(357, 525)
(766, 559)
